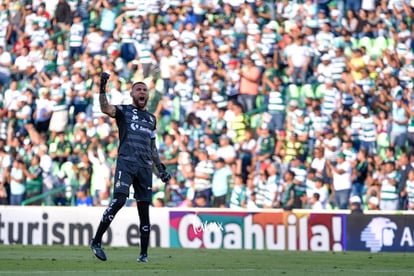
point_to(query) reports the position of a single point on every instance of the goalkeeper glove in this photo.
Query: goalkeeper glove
(104, 80)
(163, 174)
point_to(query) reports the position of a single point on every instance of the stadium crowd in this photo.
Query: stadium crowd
(260, 104)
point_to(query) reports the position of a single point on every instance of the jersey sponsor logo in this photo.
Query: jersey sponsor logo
(378, 233)
(135, 127)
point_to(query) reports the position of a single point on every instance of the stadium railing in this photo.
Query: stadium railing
(51, 193)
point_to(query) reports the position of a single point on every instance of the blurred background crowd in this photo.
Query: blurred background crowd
(260, 104)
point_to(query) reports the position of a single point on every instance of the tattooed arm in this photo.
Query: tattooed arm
(106, 108)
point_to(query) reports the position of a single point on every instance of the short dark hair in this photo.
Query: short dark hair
(138, 82)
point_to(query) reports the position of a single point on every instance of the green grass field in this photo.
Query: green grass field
(59, 260)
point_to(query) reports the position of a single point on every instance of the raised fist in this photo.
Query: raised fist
(104, 80)
(104, 77)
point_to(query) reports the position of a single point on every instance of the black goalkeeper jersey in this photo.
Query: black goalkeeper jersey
(136, 129)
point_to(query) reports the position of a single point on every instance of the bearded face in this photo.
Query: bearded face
(139, 95)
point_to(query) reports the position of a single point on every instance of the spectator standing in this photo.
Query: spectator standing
(404, 167)
(298, 60)
(34, 179)
(238, 194)
(5, 66)
(61, 181)
(232, 78)
(168, 65)
(217, 125)
(331, 144)
(43, 111)
(409, 189)
(226, 150)
(100, 178)
(249, 84)
(62, 17)
(264, 147)
(76, 34)
(342, 183)
(276, 102)
(109, 11)
(94, 40)
(60, 149)
(359, 174)
(183, 90)
(409, 108)
(389, 193)
(154, 10)
(288, 196)
(169, 152)
(203, 174)
(50, 56)
(5, 165)
(331, 100)
(238, 125)
(23, 114)
(400, 119)
(368, 131)
(220, 183)
(60, 115)
(245, 152)
(84, 172)
(145, 55)
(46, 163)
(17, 182)
(273, 188)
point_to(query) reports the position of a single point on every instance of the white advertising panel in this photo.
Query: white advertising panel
(77, 225)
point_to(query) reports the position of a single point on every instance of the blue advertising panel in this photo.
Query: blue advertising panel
(380, 233)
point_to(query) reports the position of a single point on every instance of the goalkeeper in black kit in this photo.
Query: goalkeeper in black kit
(137, 156)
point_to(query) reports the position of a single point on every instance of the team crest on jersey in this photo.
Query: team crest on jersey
(118, 184)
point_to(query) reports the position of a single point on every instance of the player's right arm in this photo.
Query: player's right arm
(106, 108)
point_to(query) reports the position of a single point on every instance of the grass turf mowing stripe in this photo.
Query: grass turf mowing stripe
(62, 261)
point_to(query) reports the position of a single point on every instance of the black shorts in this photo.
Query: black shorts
(127, 174)
(219, 201)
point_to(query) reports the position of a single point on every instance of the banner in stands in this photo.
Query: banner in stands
(378, 233)
(76, 226)
(267, 230)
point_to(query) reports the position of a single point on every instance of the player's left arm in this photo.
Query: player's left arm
(161, 170)
(155, 155)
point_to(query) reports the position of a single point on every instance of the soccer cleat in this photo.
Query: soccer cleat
(143, 258)
(98, 251)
